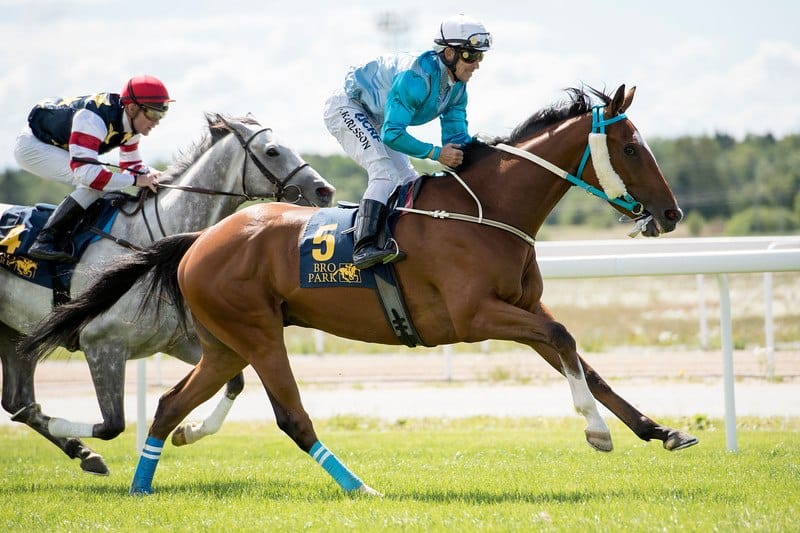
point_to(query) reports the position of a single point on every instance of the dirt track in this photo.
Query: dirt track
(514, 384)
(72, 377)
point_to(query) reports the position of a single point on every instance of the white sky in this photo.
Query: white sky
(701, 66)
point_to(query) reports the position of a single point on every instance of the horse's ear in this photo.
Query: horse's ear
(229, 124)
(626, 102)
(616, 102)
(621, 101)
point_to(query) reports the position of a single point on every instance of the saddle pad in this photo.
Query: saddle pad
(326, 254)
(19, 226)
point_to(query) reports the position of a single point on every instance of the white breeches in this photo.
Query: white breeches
(51, 162)
(347, 120)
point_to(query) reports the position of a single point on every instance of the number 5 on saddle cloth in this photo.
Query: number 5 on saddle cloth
(326, 260)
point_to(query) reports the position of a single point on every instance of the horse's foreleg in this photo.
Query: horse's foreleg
(497, 319)
(192, 432)
(643, 426)
(276, 375)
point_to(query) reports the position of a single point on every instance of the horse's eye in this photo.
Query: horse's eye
(629, 149)
(272, 151)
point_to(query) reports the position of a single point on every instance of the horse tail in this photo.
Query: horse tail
(63, 326)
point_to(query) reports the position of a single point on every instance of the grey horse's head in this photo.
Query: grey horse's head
(271, 169)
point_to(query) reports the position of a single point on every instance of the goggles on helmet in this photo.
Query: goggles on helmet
(476, 41)
(479, 41)
(152, 99)
(152, 112)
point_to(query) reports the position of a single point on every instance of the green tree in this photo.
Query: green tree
(23, 188)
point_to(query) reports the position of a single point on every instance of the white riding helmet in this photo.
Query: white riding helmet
(461, 31)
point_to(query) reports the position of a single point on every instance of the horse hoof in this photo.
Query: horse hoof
(179, 437)
(94, 464)
(369, 491)
(140, 491)
(678, 440)
(599, 440)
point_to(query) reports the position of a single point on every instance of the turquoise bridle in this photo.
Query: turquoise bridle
(599, 124)
(626, 201)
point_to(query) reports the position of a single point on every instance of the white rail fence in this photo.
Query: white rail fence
(649, 257)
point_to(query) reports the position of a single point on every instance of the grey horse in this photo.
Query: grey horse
(234, 161)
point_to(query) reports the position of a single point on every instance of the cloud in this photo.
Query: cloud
(281, 64)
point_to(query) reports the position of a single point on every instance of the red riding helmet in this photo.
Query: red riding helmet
(147, 91)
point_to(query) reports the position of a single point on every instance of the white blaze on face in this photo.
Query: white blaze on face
(640, 140)
(609, 180)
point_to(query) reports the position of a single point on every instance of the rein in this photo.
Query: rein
(280, 186)
(625, 200)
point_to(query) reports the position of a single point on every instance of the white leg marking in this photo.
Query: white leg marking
(210, 425)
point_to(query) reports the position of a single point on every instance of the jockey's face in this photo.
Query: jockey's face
(464, 67)
(141, 123)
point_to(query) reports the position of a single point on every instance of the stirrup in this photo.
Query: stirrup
(45, 253)
(397, 255)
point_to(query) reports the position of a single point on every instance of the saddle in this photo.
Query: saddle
(326, 258)
(19, 226)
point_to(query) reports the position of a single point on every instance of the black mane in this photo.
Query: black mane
(579, 102)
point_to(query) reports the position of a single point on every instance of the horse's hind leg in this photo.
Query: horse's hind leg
(19, 400)
(217, 366)
(192, 432)
(643, 426)
(258, 337)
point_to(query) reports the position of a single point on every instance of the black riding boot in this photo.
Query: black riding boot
(366, 252)
(49, 244)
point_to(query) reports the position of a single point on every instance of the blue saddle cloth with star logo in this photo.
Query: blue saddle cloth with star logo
(19, 226)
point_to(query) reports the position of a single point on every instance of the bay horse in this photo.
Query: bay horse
(466, 278)
(235, 160)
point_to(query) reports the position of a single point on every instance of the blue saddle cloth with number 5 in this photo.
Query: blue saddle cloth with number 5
(326, 253)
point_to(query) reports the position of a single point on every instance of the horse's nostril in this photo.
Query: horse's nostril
(673, 215)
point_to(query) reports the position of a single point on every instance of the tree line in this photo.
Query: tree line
(738, 187)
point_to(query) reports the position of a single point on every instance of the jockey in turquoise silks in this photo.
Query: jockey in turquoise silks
(370, 116)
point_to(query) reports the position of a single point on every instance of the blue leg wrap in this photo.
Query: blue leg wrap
(143, 477)
(333, 466)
